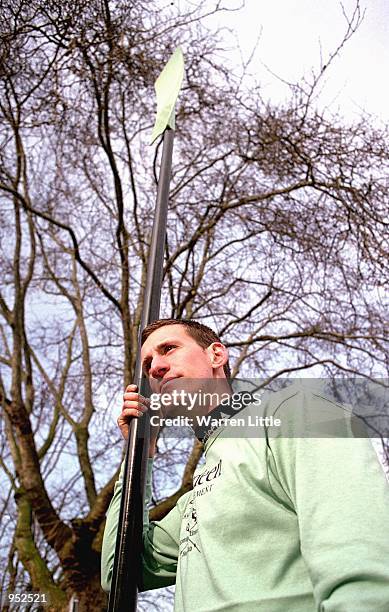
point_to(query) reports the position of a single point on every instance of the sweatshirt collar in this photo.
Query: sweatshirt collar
(217, 417)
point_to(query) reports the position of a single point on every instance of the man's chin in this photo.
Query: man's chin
(182, 396)
(171, 385)
(174, 396)
(170, 412)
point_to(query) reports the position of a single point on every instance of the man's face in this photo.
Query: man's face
(170, 353)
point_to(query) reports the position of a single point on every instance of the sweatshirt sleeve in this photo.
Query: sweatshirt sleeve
(160, 542)
(341, 497)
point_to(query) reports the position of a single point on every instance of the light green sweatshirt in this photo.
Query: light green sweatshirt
(274, 525)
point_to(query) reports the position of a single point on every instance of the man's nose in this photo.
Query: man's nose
(159, 366)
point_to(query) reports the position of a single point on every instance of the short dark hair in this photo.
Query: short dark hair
(203, 334)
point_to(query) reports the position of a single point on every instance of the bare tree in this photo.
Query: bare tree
(276, 237)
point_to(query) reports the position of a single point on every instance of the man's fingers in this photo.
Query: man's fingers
(132, 387)
(134, 406)
(129, 412)
(136, 403)
(135, 397)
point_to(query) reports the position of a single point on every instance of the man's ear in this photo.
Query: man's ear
(218, 354)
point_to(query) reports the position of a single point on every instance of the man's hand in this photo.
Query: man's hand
(134, 405)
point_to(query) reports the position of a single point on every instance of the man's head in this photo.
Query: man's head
(185, 348)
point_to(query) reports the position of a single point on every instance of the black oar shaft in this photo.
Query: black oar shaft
(152, 295)
(127, 571)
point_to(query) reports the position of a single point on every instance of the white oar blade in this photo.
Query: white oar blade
(167, 88)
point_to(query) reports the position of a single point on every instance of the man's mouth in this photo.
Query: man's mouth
(165, 381)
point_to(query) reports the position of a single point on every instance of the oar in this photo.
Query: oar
(127, 569)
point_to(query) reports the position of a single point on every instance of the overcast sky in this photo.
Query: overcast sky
(291, 33)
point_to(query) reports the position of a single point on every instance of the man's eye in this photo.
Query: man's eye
(168, 347)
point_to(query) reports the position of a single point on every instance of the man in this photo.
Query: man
(273, 523)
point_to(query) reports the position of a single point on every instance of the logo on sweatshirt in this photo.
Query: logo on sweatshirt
(208, 475)
(188, 542)
(202, 484)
